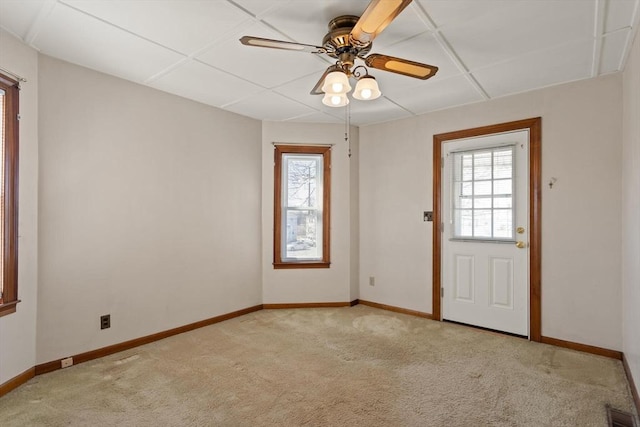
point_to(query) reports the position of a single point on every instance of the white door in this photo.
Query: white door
(485, 251)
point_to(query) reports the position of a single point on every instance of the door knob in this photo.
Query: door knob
(520, 245)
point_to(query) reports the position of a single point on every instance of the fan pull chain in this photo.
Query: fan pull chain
(347, 126)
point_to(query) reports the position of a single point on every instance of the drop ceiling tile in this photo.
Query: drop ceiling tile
(299, 90)
(185, 26)
(437, 94)
(318, 117)
(377, 111)
(78, 38)
(205, 84)
(523, 27)
(422, 48)
(306, 22)
(566, 63)
(17, 16)
(266, 67)
(613, 51)
(619, 14)
(259, 7)
(269, 106)
(445, 13)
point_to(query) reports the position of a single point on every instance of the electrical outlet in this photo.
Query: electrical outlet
(65, 363)
(105, 321)
(372, 281)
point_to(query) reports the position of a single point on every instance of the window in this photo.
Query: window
(483, 194)
(302, 192)
(9, 195)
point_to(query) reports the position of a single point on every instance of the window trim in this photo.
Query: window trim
(9, 299)
(325, 151)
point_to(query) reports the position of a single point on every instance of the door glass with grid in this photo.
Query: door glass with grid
(482, 196)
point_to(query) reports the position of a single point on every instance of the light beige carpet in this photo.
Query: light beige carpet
(355, 366)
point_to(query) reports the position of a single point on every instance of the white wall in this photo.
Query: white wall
(631, 212)
(18, 330)
(149, 210)
(581, 230)
(314, 284)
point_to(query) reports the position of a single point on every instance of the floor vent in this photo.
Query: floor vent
(620, 419)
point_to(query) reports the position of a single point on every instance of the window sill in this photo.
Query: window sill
(8, 308)
(292, 265)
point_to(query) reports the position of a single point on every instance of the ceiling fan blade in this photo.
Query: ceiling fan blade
(279, 44)
(401, 66)
(375, 18)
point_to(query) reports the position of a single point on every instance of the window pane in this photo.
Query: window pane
(467, 167)
(502, 186)
(302, 179)
(482, 203)
(482, 188)
(502, 202)
(503, 164)
(482, 193)
(464, 203)
(482, 166)
(467, 188)
(464, 222)
(503, 223)
(482, 223)
(303, 232)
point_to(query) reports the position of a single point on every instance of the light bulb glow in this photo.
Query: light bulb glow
(335, 100)
(366, 89)
(336, 82)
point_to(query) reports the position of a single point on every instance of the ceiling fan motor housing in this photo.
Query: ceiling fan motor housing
(337, 41)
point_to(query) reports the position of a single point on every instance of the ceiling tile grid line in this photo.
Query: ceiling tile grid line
(195, 54)
(598, 30)
(635, 22)
(120, 28)
(448, 49)
(484, 49)
(36, 25)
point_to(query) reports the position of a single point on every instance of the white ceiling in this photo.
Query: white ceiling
(484, 49)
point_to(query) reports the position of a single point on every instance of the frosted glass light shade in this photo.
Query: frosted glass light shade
(366, 89)
(335, 99)
(336, 82)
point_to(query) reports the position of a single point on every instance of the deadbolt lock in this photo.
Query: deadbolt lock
(520, 230)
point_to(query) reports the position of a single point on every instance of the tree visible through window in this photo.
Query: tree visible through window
(301, 230)
(9, 195)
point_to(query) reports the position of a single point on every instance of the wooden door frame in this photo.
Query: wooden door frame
(534, 126)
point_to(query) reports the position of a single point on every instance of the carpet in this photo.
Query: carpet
(351, 366)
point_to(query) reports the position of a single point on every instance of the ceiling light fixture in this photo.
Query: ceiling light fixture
(336, 85)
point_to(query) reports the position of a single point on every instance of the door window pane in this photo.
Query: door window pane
(483, 194)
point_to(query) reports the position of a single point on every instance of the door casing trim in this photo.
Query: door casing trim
(534, 126)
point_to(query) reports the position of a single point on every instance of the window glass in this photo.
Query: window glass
(302, 176)
(483, 194)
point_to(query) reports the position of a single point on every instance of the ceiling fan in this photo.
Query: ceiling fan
(350, 38)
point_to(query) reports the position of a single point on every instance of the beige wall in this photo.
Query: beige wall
(631, 212)
(149, 210)
(581, 231)
(315, 284)
(18, 330)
